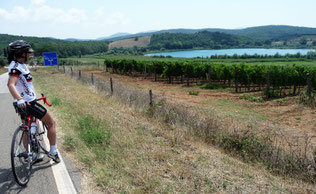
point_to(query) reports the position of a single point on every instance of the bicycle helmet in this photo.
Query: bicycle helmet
(17, 48)
(20, 46)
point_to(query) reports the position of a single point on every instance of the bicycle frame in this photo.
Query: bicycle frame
(32, 140)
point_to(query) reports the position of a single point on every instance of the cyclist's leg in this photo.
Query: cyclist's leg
(51, 131)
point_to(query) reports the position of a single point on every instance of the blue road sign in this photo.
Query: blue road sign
(50, 58)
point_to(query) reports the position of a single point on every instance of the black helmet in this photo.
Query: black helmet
(19, 47)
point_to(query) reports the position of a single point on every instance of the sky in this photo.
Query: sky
(91, 19)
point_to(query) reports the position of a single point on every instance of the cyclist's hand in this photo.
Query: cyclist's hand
(21, 103)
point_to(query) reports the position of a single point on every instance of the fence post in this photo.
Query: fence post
(309, 86)
(209, 73)
(71, 71)
(268, 84)
(64, 68)
(150, 97)
(79, 74)
(92, 79)
(111, 82)
(236, 81)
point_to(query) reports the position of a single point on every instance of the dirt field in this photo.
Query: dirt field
(131, 42)
(284, 112)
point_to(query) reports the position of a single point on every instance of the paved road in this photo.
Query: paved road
(42, 180)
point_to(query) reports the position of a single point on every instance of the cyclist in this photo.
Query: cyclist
(22, 90)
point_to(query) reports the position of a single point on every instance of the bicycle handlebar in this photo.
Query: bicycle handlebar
(44, 99)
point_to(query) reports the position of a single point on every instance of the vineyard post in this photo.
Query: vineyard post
(268, 84)
(309, 86)
(188, 81)
(145, 71)
(71, 71)
(150, 97)
(155, 74)
(111, 82)
(92, 79)
(236, 82)
(79, 74)
(64, 68)
(209, 73)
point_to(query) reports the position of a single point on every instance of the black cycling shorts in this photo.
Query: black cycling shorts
(35, 109)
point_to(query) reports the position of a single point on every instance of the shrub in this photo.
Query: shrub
(92, 131)
(194, 92)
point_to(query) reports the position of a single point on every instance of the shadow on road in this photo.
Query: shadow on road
(7, 181)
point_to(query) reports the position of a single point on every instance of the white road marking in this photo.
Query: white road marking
(62, 178)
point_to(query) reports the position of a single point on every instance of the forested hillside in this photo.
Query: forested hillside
(62, 47)
(271, 32)
(204, 39)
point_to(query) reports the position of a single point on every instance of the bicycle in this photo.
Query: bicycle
(26, 145)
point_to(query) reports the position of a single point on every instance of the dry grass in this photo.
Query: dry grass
(277, 147)
(131, 42)
(146, 155)
(3, 70)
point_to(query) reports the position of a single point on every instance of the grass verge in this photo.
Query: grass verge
(139, 154)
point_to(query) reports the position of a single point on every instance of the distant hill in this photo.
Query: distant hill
(271, 32)
(203, 39)
(121, 34)
(62, 47)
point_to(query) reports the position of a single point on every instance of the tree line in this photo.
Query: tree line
(63, 48)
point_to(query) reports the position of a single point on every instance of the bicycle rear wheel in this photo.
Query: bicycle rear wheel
(20, 164)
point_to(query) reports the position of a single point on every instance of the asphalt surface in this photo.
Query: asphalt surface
(42, 179)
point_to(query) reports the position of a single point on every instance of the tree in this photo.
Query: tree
(303, 41)
(5, 52)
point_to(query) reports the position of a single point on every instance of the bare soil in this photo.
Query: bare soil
(131, 42)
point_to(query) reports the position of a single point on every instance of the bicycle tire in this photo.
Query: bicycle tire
(22, 172)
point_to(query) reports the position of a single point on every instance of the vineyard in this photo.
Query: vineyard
(273, 80)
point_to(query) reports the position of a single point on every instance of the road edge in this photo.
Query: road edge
(62, 178)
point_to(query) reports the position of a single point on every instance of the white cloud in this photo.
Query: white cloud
(117, 18)
(38, 2)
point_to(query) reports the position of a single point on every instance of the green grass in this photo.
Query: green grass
(251, 98)
(93, 131)
(194, 92)
(56, 101)
(231, 108)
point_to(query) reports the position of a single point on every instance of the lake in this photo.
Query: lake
(231, 52)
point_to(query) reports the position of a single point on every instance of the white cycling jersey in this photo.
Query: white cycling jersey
(24, 84)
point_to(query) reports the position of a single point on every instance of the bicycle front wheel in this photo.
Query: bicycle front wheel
(21, 166)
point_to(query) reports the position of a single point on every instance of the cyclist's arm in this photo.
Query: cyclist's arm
(11, 85)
